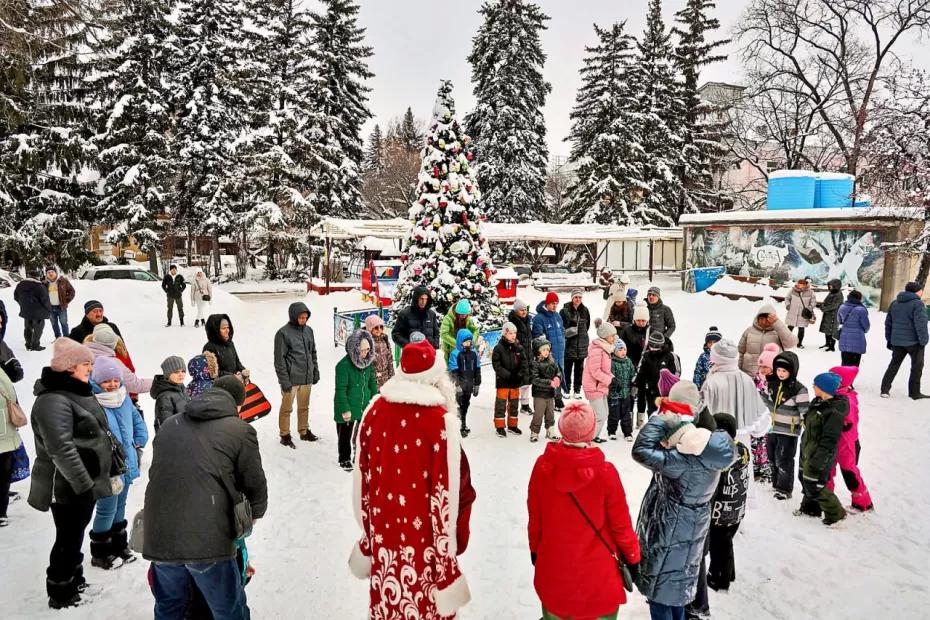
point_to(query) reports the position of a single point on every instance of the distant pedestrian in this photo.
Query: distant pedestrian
(34, 308)
(576, 318)
(853, 322)
(661, 317)
(173, 284)
(60, 293)
(906, 335)
(829, 307)
(201, 296)
(297, 368)
(801, 304)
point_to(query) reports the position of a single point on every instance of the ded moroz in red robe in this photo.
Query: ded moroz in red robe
(412, 499)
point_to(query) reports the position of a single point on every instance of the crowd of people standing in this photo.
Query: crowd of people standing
(745, 416)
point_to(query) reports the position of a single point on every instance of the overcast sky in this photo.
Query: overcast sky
(418, 42)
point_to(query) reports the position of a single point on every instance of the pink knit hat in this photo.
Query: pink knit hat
(667, 380)
(372, 321)
(769, 351)
(577, 423)
(66, 354)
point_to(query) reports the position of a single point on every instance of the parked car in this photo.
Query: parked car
(119, 272)
(9, 279)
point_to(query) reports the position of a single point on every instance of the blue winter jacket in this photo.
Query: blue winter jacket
(464, 366)
(853, 320)
(702, 367)
(675, 514)
(906, 323)
(550, 325)
(128, 427)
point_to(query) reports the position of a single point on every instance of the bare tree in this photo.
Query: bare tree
(836, 52)
(390, 191)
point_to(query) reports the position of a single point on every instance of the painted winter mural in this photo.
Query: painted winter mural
(852, 255)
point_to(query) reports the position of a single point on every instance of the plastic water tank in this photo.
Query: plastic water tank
(834, 190)
(791, 189)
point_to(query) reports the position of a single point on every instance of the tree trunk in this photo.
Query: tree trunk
(924, 270)
(271, 268)
(217, 263)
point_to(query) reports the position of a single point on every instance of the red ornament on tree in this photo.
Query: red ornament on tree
(436, 171)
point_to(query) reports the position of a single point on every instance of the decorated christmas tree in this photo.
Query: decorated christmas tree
(445, 249)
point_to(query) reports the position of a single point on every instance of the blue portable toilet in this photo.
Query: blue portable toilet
(834, 190)
(791, 189)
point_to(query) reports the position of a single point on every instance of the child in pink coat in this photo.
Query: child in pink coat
(761, 470)
(847, 455)
(598, 375)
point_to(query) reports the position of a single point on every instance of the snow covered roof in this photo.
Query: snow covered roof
(790, 216)
(336, 228)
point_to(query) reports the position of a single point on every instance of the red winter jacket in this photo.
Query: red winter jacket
(576, 576)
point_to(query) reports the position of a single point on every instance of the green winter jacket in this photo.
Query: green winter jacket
(355, 379)
(823, 426)
(623, 371)
(448, 333)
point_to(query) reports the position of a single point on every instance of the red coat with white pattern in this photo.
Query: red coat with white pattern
(412, 500)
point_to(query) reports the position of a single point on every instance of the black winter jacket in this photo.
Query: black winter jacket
(73, 449)
(33, 300)
(511, 365)
(413, 319)
(524, 329)
(227, 359)
(823, 425)
(85, 328)
(3, 315)
(661, 318)
(542, 372)
(9, 363)
(295, 360)
(170, 399)
(467, 373)
(635, 340)
(173, 287)
(576, 347)
(653, 363)
(188, 511)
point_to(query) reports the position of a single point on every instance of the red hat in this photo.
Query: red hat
(552, 298)
(419, 363)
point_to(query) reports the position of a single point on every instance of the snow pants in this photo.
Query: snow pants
(761, 469)
(543, 409)
(620, 413)
(782, 450)
(506, 407)
(463, 399)
(819, 500)
(345, 432)
(847, 458)
(722, 570)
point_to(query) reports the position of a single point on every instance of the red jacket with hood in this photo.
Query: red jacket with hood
(576, 576)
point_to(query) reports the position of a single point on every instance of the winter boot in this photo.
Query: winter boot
(120, 541)
(515, 430)
(534, 437)
(502, 433)
(526, 409)
(62, 594)
(181, 321)
(465, 431)
(308, 436)
(346, 465)
(551, 435)
(101, 551)
(287, 441)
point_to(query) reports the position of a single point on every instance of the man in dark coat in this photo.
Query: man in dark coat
(174, 285)
(34, 308)
(418, 317)
(906, 335)
(577, 321)
(93, 315)
(521, 317)
(661, 317)
(198, 456)
(296, 365)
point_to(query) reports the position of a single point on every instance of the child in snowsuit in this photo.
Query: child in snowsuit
(355, 387)
(203, 370)
(545, 380)
(847, 456)
(727, 510)
(656, 357)
(702, 367)
(823, 427)
(168, 390)
(787, 400)
(761, 469)
(620, 397)
(465, 369)
(511, 370)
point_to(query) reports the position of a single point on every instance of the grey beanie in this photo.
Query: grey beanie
(577, 293)
(606, 330)
(104, 334)
(509, 327)
(519, 305)
(173, 364)
(725, 349)
(656, 339)
(654, 290)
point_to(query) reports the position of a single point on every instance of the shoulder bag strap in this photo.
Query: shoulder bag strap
(597, 532)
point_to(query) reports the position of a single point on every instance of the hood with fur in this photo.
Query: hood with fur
(352, 346)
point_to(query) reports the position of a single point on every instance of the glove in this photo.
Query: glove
(13, 369)
(533, 558)
(556, 382)
(286, 389)
(474, 391)
(116, 484)
(634, 571)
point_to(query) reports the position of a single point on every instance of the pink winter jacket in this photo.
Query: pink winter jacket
(847, 375)
(597, 375)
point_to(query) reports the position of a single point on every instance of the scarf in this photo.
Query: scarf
(112, 400)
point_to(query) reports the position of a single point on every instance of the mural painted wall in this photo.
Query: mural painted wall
(853, 256)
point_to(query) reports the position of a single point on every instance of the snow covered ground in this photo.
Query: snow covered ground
(873, 565)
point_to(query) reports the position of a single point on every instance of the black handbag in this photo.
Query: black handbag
(205, 297)
(621, 565)
(242, 508)
(118, 465)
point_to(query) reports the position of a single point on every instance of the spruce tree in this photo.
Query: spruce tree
(445, 249)
(507, 123)
(606, 146)
(701, 149)
(409, 133)
(374, 156)
(134, 121)
(340, 100)
(660, 109)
